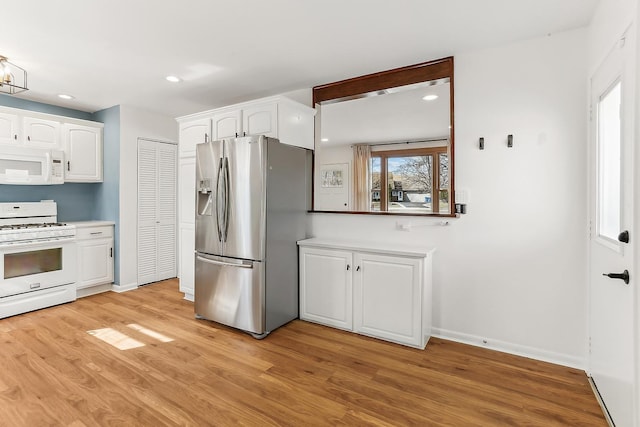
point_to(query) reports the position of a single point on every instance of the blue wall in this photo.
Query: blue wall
(13, 102)
(76, 201)
(107, 195)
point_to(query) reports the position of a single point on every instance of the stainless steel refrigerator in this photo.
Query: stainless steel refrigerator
(251, 205)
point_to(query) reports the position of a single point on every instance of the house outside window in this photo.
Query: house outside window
(416, 180)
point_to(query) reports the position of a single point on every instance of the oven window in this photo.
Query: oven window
(33, 262)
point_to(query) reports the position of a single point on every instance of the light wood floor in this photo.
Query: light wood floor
(52, 372)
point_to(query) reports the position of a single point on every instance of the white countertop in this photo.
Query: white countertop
(380, 247)
(87, 224)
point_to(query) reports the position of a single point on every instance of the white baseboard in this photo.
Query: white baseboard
(188, 297)
(124, 288)
(92, 290)
(517, 349)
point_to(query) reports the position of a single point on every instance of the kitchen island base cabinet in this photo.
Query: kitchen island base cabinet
(369, 289)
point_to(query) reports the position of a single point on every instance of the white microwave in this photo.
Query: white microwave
(31, 166)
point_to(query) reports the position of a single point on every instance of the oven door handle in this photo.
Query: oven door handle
(6, 248)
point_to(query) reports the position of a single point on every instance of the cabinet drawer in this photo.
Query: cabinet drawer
(98, 232)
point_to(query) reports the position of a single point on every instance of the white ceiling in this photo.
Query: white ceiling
(110, 52)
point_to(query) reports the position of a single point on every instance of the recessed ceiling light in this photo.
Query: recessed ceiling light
(324, 139)
(173, 79)
(430, 97)
(64, 96)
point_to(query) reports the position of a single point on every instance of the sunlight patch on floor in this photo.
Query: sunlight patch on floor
(150, 333)
(116, 338)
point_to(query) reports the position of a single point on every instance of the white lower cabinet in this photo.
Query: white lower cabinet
(187, 260)
(95, 257)
(372, 290)
(326, 287)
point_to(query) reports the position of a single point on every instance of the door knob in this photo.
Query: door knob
(624, 236)
(624, 276)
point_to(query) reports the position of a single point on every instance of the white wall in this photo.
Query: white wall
(511, 271)
(134, 124)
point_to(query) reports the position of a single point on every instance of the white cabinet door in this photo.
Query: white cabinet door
(226, 125)
(325, 287)
(187, 259)
(9, 128)
(95, 262)
(260, 120)
(192, 133)
(187, 215)
(83, 153)
(157, 192)
(41, 133)
(388, 297)
(187, 178)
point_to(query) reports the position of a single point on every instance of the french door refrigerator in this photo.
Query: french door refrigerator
(251, 206)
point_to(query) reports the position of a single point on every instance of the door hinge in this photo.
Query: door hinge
(590, 113)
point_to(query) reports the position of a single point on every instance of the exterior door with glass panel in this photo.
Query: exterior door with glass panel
(612, 305)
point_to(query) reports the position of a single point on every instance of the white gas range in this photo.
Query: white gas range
(37, 258)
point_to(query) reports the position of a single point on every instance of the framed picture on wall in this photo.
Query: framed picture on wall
(332, 178)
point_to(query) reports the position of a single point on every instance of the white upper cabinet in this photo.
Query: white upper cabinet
(81, 140)
(192, 133)
(276, 117)
(41, 133)
(227, 124)
(83, 153)
(9, 128)
(260, 120)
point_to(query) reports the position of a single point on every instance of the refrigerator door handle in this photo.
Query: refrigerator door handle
(227, 193)
(229, 264)
(218, 200)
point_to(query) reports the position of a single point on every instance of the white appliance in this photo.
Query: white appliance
(31, 166)
(38, 259)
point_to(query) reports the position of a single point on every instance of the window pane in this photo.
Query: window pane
(410, 183)
(375, 183)
(443, 206)
(609, 163)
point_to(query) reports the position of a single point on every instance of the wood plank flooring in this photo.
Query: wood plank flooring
(54, 373)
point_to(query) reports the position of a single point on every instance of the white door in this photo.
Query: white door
(41, 133)
(226, 125)
(260, 120)
(326, 287)
(157, 192)
(611, 313)
(83, 152)
(8, 129)
(387, 298)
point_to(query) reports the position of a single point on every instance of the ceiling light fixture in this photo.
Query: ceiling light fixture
(13, 79)
(65, 96)
(430, 97)
(173, 79)
(324, 139)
